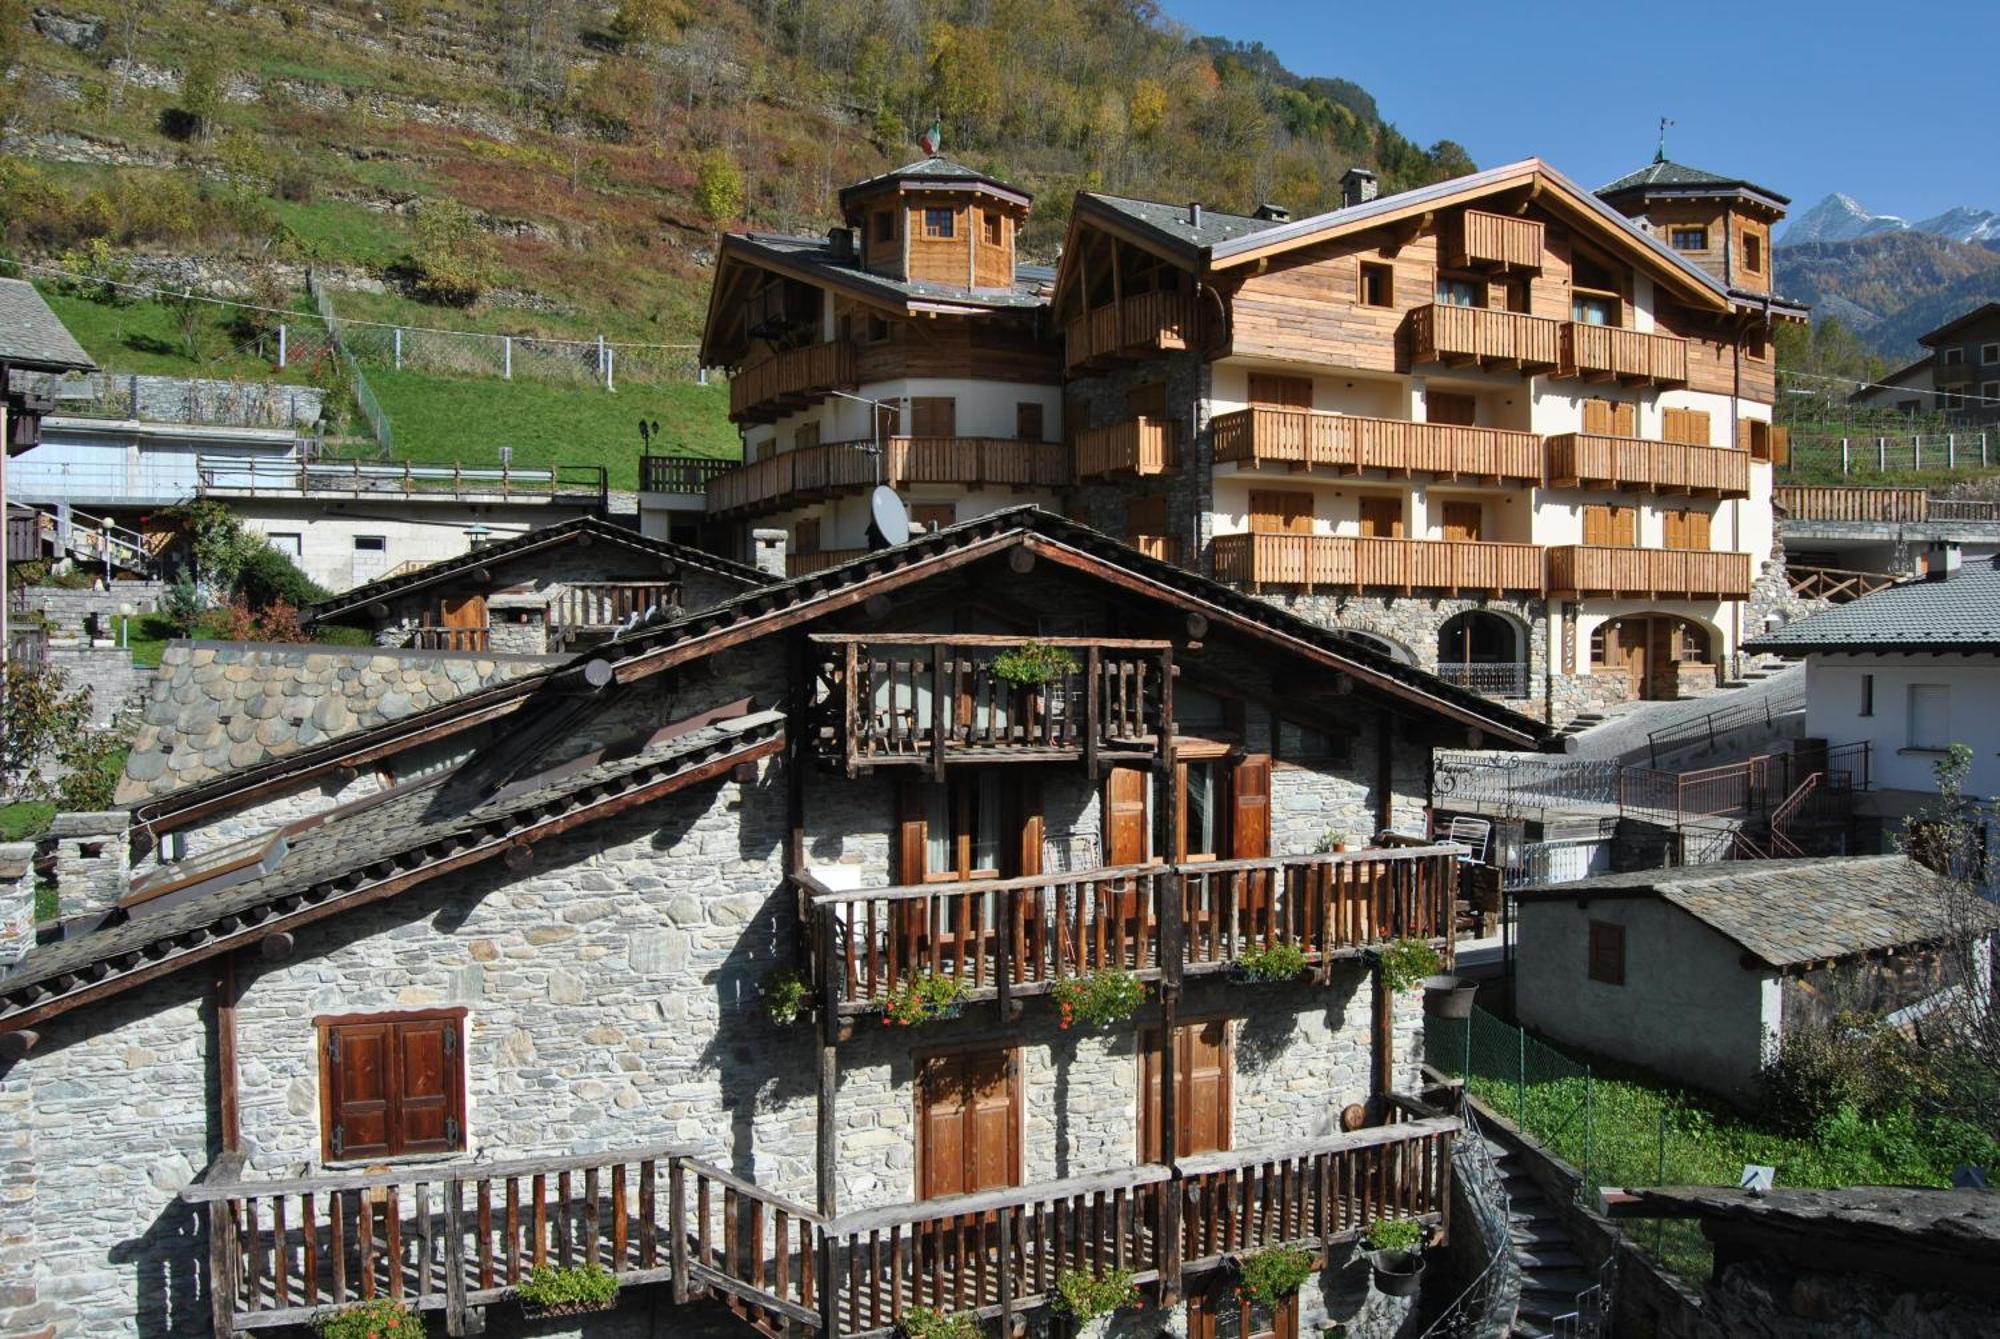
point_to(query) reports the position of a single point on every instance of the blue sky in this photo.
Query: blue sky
(1804, 98)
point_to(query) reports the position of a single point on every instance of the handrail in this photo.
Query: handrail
(1202, 1164)
(463, 1169)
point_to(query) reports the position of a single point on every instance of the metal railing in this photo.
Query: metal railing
(226, 475)
(1716, 726)
(1493, 678)
(680, 474)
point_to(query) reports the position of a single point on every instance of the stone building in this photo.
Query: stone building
(531, 995)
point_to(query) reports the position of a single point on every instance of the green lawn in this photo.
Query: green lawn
(24, 818)
(444, 419)
(146, 337)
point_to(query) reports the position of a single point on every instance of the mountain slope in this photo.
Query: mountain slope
(1890, 287)
(1841, 218)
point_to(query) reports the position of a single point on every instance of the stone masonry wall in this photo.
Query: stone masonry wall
(66, 609)
(1100, 400)
(116, 684)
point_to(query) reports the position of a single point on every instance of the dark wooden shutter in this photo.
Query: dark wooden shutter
(426, 1085)
(1382, 517)
(1452, 408)
(393, 1085)
(1781, 445)
(1462, 520)
(933, 416)
(1028, 421)
(910, 833)
(1276, 392)
(1607, 953)
(968, 1123)
(360, 1060)
(1280, 512)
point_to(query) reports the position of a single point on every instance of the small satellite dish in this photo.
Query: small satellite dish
(889, 522)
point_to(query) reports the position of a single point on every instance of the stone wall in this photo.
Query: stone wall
(237, 404)
(1100, 400)
(66, 610)
(116, 684)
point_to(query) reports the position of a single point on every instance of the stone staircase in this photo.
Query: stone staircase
(1554, 1277)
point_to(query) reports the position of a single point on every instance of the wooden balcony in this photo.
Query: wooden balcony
(599, 606)
(1578, 570)
(1479, 337)
(1480, 239)
(917, 699)
(1633, 357)
(1140, 324)
(1587, 460)
(1405, 565)
(814, 473)
(688, 475)
(1167, 548)
(1004, 938)
(430, 637)
(767, 391)
(1132, 449)
(1303, 439)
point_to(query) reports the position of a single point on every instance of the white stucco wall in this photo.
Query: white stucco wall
(1834, 713)
(425, 532)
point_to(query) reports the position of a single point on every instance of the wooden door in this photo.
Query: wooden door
(1028, 421)
(1381, 517)
(1127, 822)
(1217, 1312)
(1280, 512)
(1608, 418)
(465, 617)
(1663, 666)
(1250, 839)
(1451, 407)
(1274, 392)
(933, 416)
(1203, 1062)
(968, 1123)
(1462, 520)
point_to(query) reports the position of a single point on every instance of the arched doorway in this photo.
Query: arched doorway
(1651, 648)
(1381, 646)
(1483, 651)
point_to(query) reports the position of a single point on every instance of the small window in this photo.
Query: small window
(805, 435)
(1455, 292)
(991, 221)
(1593, 309)
(1378, 285)
(1753, 253)
(1607, 953)
(392, 1085)
(1867, 695)
(940, 222)
(1989, 353)
(1930, 717)
(1989, 391)
(878, 329)
(1028, 421)
(289, 543)
(1953, 357)
(885, 225)
(1689, 239)
(371, 543)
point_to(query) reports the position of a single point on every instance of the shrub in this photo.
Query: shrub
(920, 1322)
(269, 577)
(718, 187)
(1395, 1234)
(182, 605)
(1098, 998)
(380, 1318)
(92, 763)
(784, 996)
(1085, 1296)
(40, 718)
(922, 998)
(576, 1286)
(1034, 663)
(1408, 961)
(1280, 962)
(1270, 1276)
(1855, 1063)
(453, 259)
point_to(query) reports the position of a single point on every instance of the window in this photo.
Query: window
(933, 416)
(805, 435)
(991, 222)
(1378, 285)
(1867, 695)
(805, 536)
(1201, 805)
(1028, 422)
(1689, 239)
(289, 543)
(968, 1122)
(1595, 295)
(1989, 353)
(1607, 953)
(371, 544)
(1954, 357)
(1753, 253)
(878, 329)
(392, 1085)
(1608, 526)
(940, 222)
(1593, 309)
(953, 829)
(1456, 292)
(1930, 717)
(885, 225)
(1989, 391)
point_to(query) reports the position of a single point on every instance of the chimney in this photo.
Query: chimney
(841, 242)
(767, 552)
(17, 901)
(1357, 187)
(1943, 561)
(1274, 213)
(93, 861)
(1194, 214)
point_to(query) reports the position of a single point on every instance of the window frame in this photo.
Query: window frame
(1696, 231)
(380, 544)
(1753, 252)
(940, 223)
(1989, 354)
(992, 232)
(1604, 957)
(1473, 284)
(1912, 743)
(1954, 356)
(1366, 274)
(326, 1028)
(1867, 695)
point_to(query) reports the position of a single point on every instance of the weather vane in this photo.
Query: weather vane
(1660, 154)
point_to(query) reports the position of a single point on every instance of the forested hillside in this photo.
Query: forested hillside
(1891, 287)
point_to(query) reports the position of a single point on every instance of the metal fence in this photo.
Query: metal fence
(1494, 678)
(572, 362)
(1885, 453)
(1518, 782)
(364, 394)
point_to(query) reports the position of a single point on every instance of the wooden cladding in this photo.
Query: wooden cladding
(791, 477)
(1461, 336)
(1584, 460)
(1578, 570)
(1613, 353)
(1479, 238)
(1340, 441)
(1136, 447)
(766, 391)
(392, 1085)
(1136, 324)
(1392, 564)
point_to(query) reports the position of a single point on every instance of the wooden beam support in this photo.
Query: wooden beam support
(1384, 1049)
(228, 1108)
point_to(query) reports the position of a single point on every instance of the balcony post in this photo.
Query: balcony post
(938, 709)
(222, 1266)
(1091, 690)
(455, 1310)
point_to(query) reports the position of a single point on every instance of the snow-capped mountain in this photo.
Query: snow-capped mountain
(1841, 218)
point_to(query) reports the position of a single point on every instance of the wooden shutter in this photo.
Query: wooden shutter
(1203, 1063)
(1146, 516)
(1028, 421)
(1624, 527)
(1596, 524)
(1781, 445)
(1689, 427)
(1607, 953)
(1673, 527)
(1451, 407)
(360, 1063)
(933, 416)
(1275, 392)
(967, 1123)
(1250, 808)
(911, 830)
(392, 1085)
(1125, 816)
(1279, 512)
(1610, 527)
(1462, 520)
(426, 1085)
(1382, 517)
(1687, 530)
(1607, 418)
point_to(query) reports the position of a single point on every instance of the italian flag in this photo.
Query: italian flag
(932, 140)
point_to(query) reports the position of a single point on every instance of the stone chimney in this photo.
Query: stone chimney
(840, 241)
(93, 861)
(17, 901)
(1944, 561)
(1357, 187)
(767, 552)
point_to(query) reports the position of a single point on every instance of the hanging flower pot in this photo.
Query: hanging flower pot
(1397, 1273)
(1449, 996)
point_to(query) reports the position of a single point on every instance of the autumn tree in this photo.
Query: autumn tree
(718, 187)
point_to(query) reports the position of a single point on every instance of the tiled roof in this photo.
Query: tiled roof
(1670, 175)
(932, 169)
(816, 256)
(218, 707)
(1960, 613)
(30, 334)
(1789, 911)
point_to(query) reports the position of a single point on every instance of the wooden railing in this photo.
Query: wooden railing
(1445, 334)
(1614, 353)
(1138, 446)
(606, 604)
(1342, 441)
(1167, 548)
(1578, 569)
(762, 391)
(1964, 509)
(1140, 321)
(1812, 502)
(679, 474)
(917, 698)
(1002, 938)
(1399, 564)
(1835, 585)
(1581, 460)
(804, 564)
(835, 467)
(428, 637)
(1496, 239)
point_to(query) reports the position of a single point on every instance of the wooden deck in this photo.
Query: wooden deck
(1588, 460)
(1131, 449)
(1308, 439)
(1310, 561)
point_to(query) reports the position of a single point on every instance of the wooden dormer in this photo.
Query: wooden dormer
(937, 222)
(1718, 224)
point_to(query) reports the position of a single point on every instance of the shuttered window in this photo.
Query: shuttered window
(1689, 427)
(1203, 1065)
(1381, 517)
(1278, 512)
(1608, 418)
(1687, 530)
(1611, 527)
(392, 1085)
(1607, 953)
(933, 416)
(1028, 421)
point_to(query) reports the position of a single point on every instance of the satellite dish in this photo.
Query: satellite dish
(889, 522)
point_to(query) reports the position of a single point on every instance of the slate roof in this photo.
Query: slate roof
(1963, 1225)
(215, 708)
(1171, 221)
(1788, 911)
(31, 336)
(815, 256)
(1956, 324)
(522, 546)
(944, 171)
(1669, 175)
(1960, 613)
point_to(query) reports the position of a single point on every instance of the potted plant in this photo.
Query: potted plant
(1333, 839)
(1406, 962)
(1282, 961)
(1448, 996)
(1098, 998)
(924, 997)
(1083, 1296)
(1395, 1253)
(784, 996)
(921, 1322)
(1270, 1276)
(1033, 663)
(378, 1318)
(551, 1290)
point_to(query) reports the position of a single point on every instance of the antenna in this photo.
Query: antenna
(889, 521)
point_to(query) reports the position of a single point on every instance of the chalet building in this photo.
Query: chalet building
(435, 994)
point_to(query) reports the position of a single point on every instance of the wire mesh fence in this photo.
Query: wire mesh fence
(1865, 452)
(364, 395)
(469, 353)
